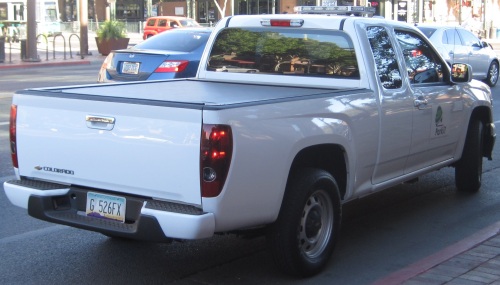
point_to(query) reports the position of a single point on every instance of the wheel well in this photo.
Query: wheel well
(328, 157)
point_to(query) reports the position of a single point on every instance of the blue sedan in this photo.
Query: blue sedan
(172, 54)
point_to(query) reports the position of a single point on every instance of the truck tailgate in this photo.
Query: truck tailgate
(141, 149)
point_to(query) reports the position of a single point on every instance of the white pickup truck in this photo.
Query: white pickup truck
(315, 111)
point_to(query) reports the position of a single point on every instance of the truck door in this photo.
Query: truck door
(396, 107)
(438, 108)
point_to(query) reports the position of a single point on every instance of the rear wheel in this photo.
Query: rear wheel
(469, 170)
(492, 77)
(303, 237)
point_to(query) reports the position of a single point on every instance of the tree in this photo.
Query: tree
(223, 10)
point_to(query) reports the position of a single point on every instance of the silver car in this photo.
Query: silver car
(457, 44)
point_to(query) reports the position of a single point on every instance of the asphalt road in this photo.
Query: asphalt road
(381, 233)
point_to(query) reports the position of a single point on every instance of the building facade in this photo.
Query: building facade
(207, 12)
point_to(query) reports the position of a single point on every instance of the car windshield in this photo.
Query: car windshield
(189, 23)
(176, 40)
(427, 31)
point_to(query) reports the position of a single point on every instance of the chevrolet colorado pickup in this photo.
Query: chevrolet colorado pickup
(315, 111)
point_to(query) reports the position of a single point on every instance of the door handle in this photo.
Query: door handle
(421, 103)
(100, 122)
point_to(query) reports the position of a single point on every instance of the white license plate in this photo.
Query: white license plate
(130, 67)
(106, 206)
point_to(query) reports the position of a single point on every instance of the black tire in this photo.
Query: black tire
(492, 76)
(303, 237)
(469, 169)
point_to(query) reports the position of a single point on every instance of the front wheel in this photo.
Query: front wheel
(469, 169)
(303, 237)
(492, 76)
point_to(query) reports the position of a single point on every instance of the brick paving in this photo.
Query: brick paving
(477, 266)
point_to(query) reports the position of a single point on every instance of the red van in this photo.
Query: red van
(158, 24)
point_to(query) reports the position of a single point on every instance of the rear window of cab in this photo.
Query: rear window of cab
(287, 51)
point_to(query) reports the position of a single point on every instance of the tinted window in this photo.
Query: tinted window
(385, 57)
(422, 62)
(450, 37)
(175, 40)
(162, 23)
(428, 32)
(469, 39)
(151, 22)
(284, 51)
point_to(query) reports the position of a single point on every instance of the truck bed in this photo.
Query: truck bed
(130, 138)
(191, 93)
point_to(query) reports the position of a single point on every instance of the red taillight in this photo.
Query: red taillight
(106, 64)
(12, 134)
(215, 158)
(416, 52)
(172, 66)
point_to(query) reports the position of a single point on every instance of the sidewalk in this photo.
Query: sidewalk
(495, 43)
(472, 261)
(61, 55)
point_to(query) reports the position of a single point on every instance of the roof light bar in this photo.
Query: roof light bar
(362, 10)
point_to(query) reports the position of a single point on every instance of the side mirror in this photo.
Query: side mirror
(461, 73)
(486, 44)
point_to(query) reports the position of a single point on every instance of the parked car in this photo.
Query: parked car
(172, 54)
(158, 24)
(231, 68)
(457, 44)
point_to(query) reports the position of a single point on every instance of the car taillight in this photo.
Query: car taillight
(12, 135)
(172, 66)
(215, 158)
(107, 63)
(416, 52)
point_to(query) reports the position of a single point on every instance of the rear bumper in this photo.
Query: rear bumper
(146, 219)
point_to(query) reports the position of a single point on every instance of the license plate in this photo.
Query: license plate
(130, 67)
(106, 206)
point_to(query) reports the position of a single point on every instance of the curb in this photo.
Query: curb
(41, 64)
(433, 260)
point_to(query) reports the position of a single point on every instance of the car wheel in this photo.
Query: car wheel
(303, 237)
(492, 77)
(469, 169)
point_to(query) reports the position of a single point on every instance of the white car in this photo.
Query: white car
(457, 44)
(231, 68)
